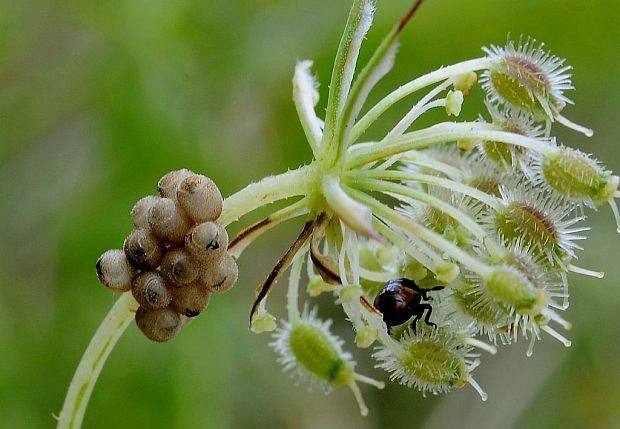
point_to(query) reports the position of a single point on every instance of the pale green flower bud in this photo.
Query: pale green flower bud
(317, 286)
(454, 102)
(263, 322)
(465, 82)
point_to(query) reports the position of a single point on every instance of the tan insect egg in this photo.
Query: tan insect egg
(143, 250)
(114, 270)
(167, 185)
(207, 241)
(190, 300)
(167, 221)
(159, 325)
(221, 275)
(179, 267)
(140, 211)
(200, 198)
(150, 290)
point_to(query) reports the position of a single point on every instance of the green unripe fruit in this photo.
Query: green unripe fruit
(522, 85)
(430, 362)
(499, 152)
(315, 351)
(486, 311)
(510, 287)
(520, 220)
(573, 174)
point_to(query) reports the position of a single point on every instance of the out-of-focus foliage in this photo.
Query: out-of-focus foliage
(99, 99)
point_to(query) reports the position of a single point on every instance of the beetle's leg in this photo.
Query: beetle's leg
(429, 310)
(418, 315)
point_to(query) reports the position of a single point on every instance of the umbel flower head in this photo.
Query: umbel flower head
(426, 238)
(431, 237)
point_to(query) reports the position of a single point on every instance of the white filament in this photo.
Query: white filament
(585, 271)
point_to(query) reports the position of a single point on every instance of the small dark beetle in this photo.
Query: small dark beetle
(401, 299)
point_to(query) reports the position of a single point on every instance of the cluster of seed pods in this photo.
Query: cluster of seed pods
(176, 256)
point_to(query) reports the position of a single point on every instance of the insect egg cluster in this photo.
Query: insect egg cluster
(175, 257)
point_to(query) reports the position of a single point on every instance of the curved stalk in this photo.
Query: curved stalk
(266, 191)
(423, 233)
(453, 185)
(438, 134)
(113, 326)
(427, 199)
(423, 81)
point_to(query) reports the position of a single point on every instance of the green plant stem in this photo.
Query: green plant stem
(120, 316)
(116, 321)
(266, 191)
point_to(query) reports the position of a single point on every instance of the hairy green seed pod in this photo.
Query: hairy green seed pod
(150, 290)
(573, 174)
(140, 211)
(143, 250)
(114, 270)
(512, 288)
(317, 353)
(221, 275)
(200, 198)
(484, 309)
(525, 92)
(534, 226)
(159, 325)
(178, 267)
(207, 241)
(168, 184)
(432, 362)
(190, 300)
(499, 152)
(167, 221)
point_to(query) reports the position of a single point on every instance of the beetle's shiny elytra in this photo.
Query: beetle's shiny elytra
(401, 299)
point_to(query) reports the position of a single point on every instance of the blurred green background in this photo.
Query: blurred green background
(98, 99)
